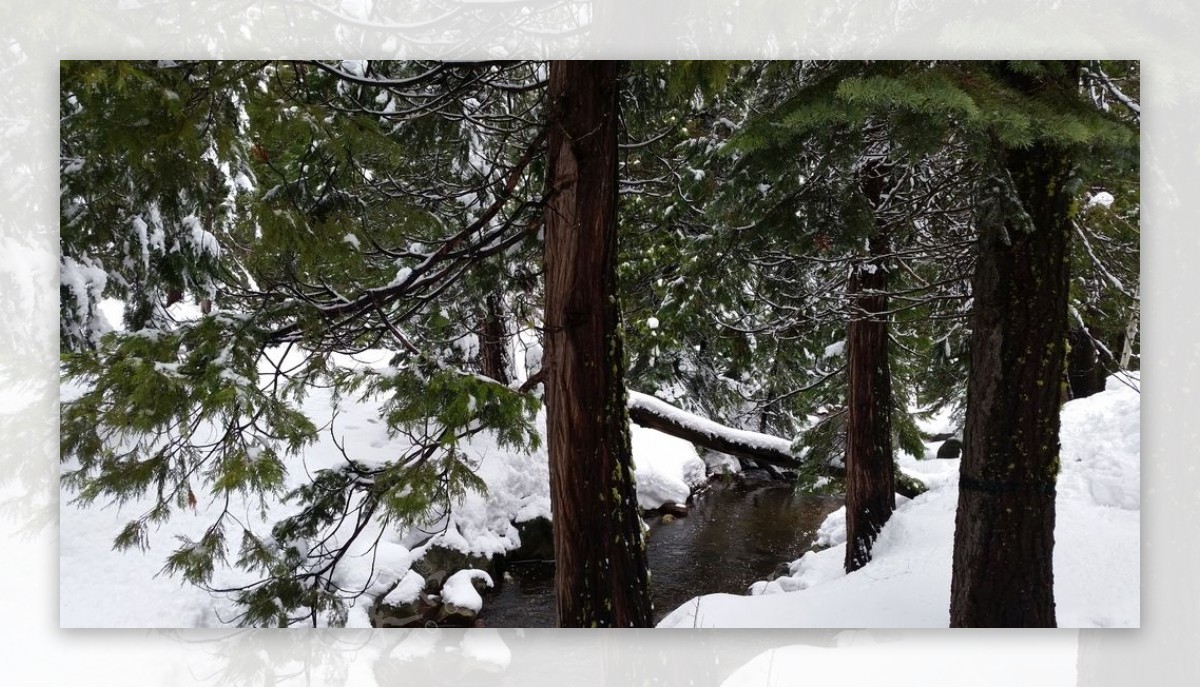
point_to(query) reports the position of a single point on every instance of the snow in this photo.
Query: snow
(401, 277)
(652, 323)
(835, 349)
(907, 583)
(519, 491)
(705, 426)
(1101, 198)
(351, 239)
(459, 591)
(100, 587)
(667, 468)
(407, 590)
(85, 280)
(203, 241)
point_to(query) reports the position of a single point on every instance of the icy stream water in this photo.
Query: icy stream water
(734, 535)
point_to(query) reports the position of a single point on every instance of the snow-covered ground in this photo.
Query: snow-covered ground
(907, 583)
(103, 588)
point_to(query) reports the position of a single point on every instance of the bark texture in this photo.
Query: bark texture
(1085, 371)
(493, 339)
(1004, 532)
(870, 478)
(601, 574)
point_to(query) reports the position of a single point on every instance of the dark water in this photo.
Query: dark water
(735, 535)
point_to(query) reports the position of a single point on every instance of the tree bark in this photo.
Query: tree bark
(601, 574)
(493, 352)
(1131, 332)
(1085, 371)
(1003, 572)
(870, 479)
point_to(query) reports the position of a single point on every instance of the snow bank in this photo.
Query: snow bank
(518, 491)
(103, 588)
(667, 468)
(907, 584)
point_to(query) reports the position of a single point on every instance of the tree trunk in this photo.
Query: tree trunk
(1004, 532)
(493, 352)
(1085, 371)
(601, 575)
(656, 414)
(870, 479)
(1131, 332)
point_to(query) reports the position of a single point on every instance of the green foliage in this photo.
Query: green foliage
(328, 209)
(148, 154)
(314, 219)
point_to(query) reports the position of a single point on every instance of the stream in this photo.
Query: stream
(735, 534)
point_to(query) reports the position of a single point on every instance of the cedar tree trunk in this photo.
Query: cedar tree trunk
(601, 575)
(870, 479)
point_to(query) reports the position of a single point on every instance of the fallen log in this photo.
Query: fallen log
(656, 414)
(649, 412)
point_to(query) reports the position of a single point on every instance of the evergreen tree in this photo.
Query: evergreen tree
(814, 190)
(326, 208)
(797, 245)
(1004, 533)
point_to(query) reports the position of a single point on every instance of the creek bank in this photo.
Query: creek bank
(731, 531)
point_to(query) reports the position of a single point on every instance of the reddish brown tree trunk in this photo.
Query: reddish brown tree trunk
(1004, 532)
(870, 477)
(601, 575)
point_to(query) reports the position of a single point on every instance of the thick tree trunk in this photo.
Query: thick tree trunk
(601, 575)
(870, 479)
(493, 351)
(1004, 533)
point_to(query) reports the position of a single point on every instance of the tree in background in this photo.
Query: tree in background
(827, 198)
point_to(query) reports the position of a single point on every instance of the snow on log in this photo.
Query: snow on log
(656, 414)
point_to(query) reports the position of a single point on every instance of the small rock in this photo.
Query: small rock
(950, 449)
(673, 509)
(537, 541)
(456, 617)
(439, 563)
(415, 614)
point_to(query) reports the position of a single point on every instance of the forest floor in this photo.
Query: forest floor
(906, 585)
